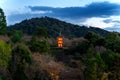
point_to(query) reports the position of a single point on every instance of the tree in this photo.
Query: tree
(3, 25)
(112, 61)
(101, 66)
(41, 32)
(92, 37)
(16, 36)
(115, 69)
(39, 45)
(91, 65)
(5, 57)
(5, 54)
(82, 47)
(113, 42)
(20, 59)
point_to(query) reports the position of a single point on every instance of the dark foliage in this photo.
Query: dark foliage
(97, 55)
(3, 25)
(16, 36)
(41, 33)
(20, 58)
(39, 45)
(54, 27)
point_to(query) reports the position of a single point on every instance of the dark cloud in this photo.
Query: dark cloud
(110, 20)
(103, 9)
(19, 17)
(116, 21)
(113, 29)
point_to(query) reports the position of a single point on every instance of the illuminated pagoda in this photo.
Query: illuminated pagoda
(60, 41)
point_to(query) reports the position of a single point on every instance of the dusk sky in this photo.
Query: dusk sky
(98, 13)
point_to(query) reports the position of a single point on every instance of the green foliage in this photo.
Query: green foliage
(21, 57)
(95, 65)
(100, 62)
(113, 42)
(5, 54)
(16, 36)
(54, 26)
(23, 51)
(115, 70)
(2, 23)
(100, 42)
(112, 60)
(39, 45)
(82, 47)
(1, 79)
(108, 56)
(91, 66)
(41, 32)
(101, 66)
(93, 38)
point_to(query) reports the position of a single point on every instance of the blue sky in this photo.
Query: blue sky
(98, 13)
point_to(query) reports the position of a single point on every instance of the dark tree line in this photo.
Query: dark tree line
(54, 27)
(97, 56)
(3, 25)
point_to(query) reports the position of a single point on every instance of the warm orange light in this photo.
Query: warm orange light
(60, 45)
(60, 42)
(60, 39)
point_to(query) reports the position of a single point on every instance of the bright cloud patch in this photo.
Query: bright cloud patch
(98, 22)
(107, 23)
(98, 14)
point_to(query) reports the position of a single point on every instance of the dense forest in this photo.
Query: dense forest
(28, 51)
(54, 27)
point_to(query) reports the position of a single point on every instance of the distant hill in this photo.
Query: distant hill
(54, 27)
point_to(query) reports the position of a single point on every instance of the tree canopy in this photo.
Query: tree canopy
(2, 22)
(54, 26)
(5, 53)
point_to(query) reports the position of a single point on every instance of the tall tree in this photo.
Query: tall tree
(2, 22)
(21, 57)
(41, 32)
(5, 53)
(5, 57)
(113, 42)
(91, 65)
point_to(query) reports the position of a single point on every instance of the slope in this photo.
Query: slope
(54, 27)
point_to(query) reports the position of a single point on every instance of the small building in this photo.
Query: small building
(60, 42)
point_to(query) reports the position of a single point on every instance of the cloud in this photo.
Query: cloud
(111, 20)
(12, 19)
(103, 9)
(98, 22)
(22, 14)
(77, 15)
(113, 29)
(116, 23)
(107, 20)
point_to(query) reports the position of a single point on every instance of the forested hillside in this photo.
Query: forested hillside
(54, 27)
(37, 57)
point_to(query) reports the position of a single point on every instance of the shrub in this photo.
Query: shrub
(16, 36)
(39, 45)
(82, 47)
(91, 66)
(5, 57)
(113, 42)
(5, 54)
(3, 25)
(21, 57)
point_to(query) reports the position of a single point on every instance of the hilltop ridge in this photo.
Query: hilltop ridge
(54, 26)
